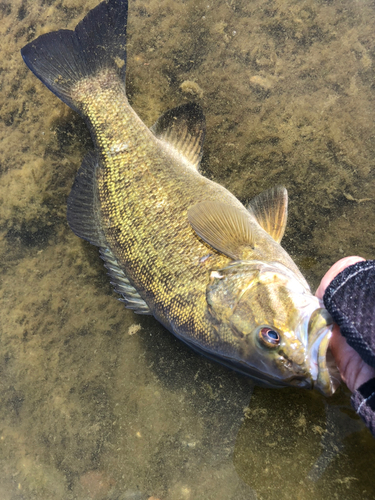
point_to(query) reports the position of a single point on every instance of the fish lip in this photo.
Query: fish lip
(323, 369)
(299, 381)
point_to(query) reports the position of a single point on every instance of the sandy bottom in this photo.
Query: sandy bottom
(97, 403)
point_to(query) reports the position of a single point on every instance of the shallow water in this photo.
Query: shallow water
(98, 403)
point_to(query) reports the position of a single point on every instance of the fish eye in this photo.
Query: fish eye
(269, 337)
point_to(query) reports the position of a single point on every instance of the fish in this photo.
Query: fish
(177, 245)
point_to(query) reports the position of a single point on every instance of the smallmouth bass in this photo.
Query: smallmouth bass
(177, 245)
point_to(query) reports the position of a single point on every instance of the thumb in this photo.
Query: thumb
(336, 269)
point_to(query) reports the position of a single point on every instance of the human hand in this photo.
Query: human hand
(354, 371)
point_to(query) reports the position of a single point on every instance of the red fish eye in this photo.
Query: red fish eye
(269, 337)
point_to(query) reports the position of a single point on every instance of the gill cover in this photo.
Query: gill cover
(254, 293)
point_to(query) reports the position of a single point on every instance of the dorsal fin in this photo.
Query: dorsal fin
(270, 209)
(222, 226)
(83, 213)
(122, 285)
(183, 128)
(83, 219)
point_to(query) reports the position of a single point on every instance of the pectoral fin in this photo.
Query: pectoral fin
(270, 209)
(222, 226)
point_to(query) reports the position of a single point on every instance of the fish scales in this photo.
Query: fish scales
(176, 244)
(143, 199)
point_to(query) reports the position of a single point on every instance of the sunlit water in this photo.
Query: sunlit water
(98, 403)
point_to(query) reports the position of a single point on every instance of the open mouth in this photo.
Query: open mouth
(328, 378)
(322, 364)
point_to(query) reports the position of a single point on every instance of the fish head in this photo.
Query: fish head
(277, 331)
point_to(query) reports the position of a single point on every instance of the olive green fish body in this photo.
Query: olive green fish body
(144, 193)
(143, 196)
(178, 245)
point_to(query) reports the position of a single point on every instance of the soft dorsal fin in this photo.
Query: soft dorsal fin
(83, 219)
(270, 209)
(183, 128)
(222, 226)
(83, 205)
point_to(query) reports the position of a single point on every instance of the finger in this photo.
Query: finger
(354, 371)
(343, 355)
(339, 266)
(339, 347)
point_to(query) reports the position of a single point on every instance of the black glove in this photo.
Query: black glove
(350, 299)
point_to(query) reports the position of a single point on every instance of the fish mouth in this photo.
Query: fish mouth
(325, 374)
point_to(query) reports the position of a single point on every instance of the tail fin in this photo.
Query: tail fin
(62, 58)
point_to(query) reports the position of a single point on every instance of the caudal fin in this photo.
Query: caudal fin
(62, 58)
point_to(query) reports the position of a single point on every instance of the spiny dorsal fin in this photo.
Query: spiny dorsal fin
(83, 213)
(83, 219)
(183, 128)
(222, 226)
(122, 285)
(270, 209)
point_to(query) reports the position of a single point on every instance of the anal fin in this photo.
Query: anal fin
(183, 129)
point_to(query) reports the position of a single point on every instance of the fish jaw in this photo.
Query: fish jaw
(325, 374)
